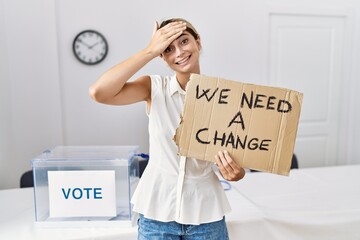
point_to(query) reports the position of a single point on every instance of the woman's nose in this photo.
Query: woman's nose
(179, 51)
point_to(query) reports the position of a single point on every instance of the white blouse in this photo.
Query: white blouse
(174, 188)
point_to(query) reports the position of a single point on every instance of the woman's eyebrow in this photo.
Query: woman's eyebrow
(184, 34)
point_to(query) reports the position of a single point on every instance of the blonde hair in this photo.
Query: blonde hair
(189, 27)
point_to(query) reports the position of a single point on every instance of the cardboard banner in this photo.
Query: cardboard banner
(256, 124)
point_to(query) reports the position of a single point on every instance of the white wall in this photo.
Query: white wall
(354, 117)
(5, 121)
(44, 98)
(31, 109)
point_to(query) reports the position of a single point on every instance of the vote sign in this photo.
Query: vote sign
(82, 193)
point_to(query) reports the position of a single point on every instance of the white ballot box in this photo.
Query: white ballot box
(85, 186)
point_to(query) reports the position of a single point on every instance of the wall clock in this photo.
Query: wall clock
(90, 47)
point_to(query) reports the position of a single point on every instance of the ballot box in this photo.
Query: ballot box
(85, 186)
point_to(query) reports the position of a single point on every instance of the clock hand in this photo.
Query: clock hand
(87, 45)
(90, 47)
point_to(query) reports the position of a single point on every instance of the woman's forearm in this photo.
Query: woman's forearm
(113, 80)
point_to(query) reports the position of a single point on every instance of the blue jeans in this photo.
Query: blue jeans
(151, 229)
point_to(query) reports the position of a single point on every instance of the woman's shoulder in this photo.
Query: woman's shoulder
(160, 85)
(160, 80)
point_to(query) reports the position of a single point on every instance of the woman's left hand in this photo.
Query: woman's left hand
(229, 169)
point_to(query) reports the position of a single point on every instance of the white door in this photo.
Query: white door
(308, 52)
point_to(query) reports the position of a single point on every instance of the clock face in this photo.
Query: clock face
(90, 47)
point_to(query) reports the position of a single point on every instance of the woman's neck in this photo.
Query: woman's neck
(183, 78)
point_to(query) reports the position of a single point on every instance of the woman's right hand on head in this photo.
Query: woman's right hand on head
(164, 36)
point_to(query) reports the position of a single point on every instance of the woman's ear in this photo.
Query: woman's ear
(198, 41)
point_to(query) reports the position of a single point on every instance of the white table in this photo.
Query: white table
(317, 203)
(313, 203)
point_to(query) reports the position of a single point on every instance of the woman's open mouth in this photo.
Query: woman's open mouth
(183, 61)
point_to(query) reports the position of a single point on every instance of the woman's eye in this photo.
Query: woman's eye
(184, 41)
(168, 50)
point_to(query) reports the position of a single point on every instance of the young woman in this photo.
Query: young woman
(177, 197)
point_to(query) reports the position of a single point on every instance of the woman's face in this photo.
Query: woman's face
(182, 55)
